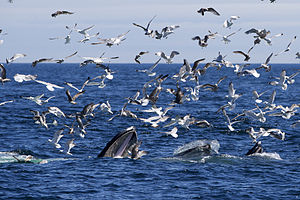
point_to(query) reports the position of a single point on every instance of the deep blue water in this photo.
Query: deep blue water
(158, 175)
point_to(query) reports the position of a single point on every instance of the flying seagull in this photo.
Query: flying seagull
(112, 41)
(288, 47)
(14, 57)
(50, 86)
(137, 57)
(34, 63)
(211, 10)
(63, 59)
(61, 12)
(146, 29)
(167, 58)
(72, 99)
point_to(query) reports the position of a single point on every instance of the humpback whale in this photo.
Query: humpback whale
(198, 148)
(123, 145)
(257, 148)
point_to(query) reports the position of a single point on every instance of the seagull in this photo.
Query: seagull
(286, 112)
(297, 55)
(213, 87)
(61, 12)
(38, 99)
(173, 132)
(63, 59)
(231, 92)
(82, 87)
(50, 86)
(288, 48)
(256, 96)
(14, 57)
(21, 77)
(229, 122)
(67, 38)
(146, 29)
(3, 74)
(137, 57)
(270, 103)
(72, 99)
(229, 22)
(256, 116)
(225, 37)
(112, 41)
(95, 60)
(56, 137)
(56, 111)
(252, 72)
(247, 57)
(149, 71)
(5, 102)
(282, 80)
(69, 145)
(167, 58)
(166, 31)
(82, 31)
(105, 107)
(211, 10)
(34, 63)
(203, 42)
(136, 153)
(40, 118)
(88, 37)
(266, 65)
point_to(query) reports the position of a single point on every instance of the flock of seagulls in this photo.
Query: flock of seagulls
(146, 98)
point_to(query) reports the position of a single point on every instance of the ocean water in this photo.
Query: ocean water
(158, 175)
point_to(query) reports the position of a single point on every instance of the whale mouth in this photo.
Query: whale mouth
(120, 145)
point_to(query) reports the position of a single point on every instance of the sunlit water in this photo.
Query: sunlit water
(158, 175)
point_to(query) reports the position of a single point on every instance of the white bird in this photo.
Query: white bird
(69, 145)
(166, 31)
(256, 96)
(256, 116)
(149, 71)
(95, 60)
(82, 31)
(50, 86)
(112, 41)
(298, 55)
(225, 37)
(105, 107)
(56, 137)
(146, 29)
(228, 121)
(15, 57)
(82, 87)
(266, 65)
(288, 48)
(67, 38)
(173, 132)
(5, 102)
(270, 103)
(168, 59)
(38, 99)
(56, 111)
(229, 22)
(22, 77)
(282, 80)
